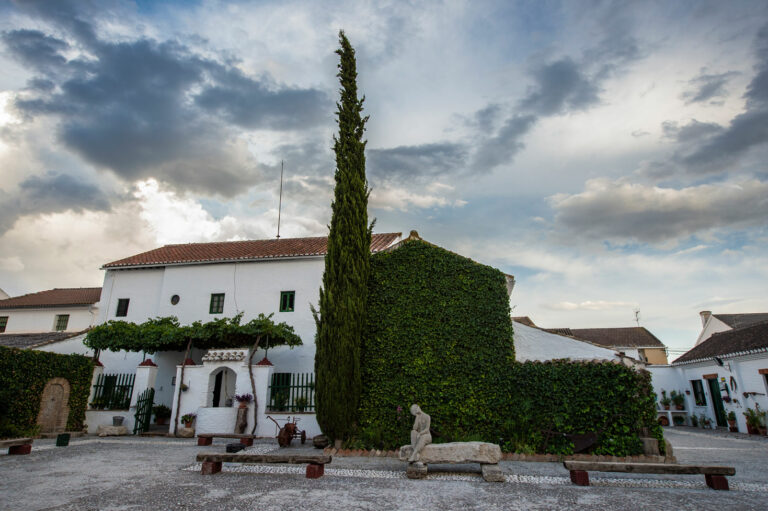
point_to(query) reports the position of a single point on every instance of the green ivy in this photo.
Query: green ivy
(165, 334)
(23, 375)
(439, 334)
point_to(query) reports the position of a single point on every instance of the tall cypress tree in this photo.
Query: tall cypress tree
(343, 296)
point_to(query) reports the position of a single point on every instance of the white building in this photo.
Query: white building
(727, 369)
(54, 310)
(535, 344)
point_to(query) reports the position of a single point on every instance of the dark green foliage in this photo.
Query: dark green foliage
(343, 296)
(23, 375)
(165, 334)
(439, 334)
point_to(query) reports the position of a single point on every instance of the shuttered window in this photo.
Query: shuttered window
(286, 300)
(217, 303)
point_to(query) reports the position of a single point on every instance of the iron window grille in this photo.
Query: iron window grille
(217, 303)
(122, 307)
(287, 299)
(62, 320)
(698, 393)
(3, 323)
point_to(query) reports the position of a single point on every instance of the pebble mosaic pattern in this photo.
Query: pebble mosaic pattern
(458, 476)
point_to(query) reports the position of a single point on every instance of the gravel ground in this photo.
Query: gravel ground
(155, 473)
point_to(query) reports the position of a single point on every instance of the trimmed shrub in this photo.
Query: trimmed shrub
(439, 334)
(23, 376)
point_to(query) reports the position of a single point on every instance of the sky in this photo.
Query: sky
(609, 155)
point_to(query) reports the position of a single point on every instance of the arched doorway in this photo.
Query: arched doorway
(221, 387)
(54, 406)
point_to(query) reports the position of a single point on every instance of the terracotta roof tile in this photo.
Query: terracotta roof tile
(742, 320)
(53, 298)
(754, 337)
(36, 339)
(191, 253)
(630, 337)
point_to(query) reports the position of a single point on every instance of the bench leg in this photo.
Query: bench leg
(717, 482)
(20, 449)
(315, 471)
(204, 441)
(246, 441)
(580, 477)
(211, 467)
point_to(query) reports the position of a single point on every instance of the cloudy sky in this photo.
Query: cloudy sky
(611, 155)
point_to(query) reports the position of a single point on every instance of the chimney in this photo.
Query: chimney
(705, 317)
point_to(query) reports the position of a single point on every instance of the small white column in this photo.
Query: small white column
(262, 373)
(146, 374)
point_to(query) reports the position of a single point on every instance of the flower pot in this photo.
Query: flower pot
(732, 426)
(666, 407)
(663, 421)
(188, 424)
(680, 407)
(752, 430)
(243, 405)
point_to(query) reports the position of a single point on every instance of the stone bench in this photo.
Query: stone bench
(315, 463)
(486, 454)
(714, 475)
(17, 445)
(207, 438)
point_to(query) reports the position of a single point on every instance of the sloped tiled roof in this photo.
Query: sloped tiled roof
(629, 337)
(741, 340)
(524, 320)
(191, 253)
(36, 339)
(54, 298)
(742, 320)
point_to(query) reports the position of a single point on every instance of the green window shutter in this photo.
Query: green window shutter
(287, 299)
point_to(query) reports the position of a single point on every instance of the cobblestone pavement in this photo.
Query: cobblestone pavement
(157, 473)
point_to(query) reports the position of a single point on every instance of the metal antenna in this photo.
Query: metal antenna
(280, 204)
(637, 316)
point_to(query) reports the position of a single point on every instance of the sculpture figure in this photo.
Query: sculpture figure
(420, 436)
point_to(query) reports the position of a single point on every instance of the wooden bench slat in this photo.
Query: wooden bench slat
(224, 435)
(299, 459)
(12, 442)
(648, 468)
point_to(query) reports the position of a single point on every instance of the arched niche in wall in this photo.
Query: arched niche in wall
(221, 387)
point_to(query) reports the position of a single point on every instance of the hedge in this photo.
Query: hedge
(439, 334)
(23, 375)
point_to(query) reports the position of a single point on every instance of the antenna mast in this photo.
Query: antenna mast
(280, 204)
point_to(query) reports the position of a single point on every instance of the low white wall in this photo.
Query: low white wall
(96, 418)
(216, 420)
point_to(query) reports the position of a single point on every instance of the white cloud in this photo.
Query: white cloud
(592, 305)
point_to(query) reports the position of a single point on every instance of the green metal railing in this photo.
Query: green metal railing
(292, 392)
(113, 391)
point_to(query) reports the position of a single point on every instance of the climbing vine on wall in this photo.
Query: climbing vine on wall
(23, 376)
(439, 334)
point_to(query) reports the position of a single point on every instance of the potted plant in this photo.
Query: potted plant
(301, 403)
(663, 421)
(679, 399)
(665, 400)
(679, 420)
(732, 421)
(705, 421)
(243, 399)
(188, 419)
(162, 413)
(694, 421)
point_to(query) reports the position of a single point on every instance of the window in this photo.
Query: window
(217, 303)
(698, 393)
(61, 322)
(122, 307)
(3, 323)
(286, 300)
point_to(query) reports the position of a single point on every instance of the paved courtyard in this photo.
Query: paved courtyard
(157, 473)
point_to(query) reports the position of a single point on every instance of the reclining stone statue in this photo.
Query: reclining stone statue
(422, 451)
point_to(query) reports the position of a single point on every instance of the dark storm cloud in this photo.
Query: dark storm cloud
(51, 193)
(559, 86)
(127, 107)
(407, 162)
(692, 132)
(503, 147)
(707, 87)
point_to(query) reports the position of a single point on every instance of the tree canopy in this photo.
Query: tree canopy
(165, 334)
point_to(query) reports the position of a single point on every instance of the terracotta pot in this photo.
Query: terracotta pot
(732, 426)
(680, 407)
(188, 424)
(663, 421)
(752, 431)
(243, 405)
(666, 407)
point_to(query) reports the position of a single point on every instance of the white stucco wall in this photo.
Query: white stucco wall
(744, 371)
(534, 344)
(114, 362)
(249, 287)
(44, 319)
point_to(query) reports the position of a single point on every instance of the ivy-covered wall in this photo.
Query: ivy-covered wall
(23, 375)
(439, 334)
